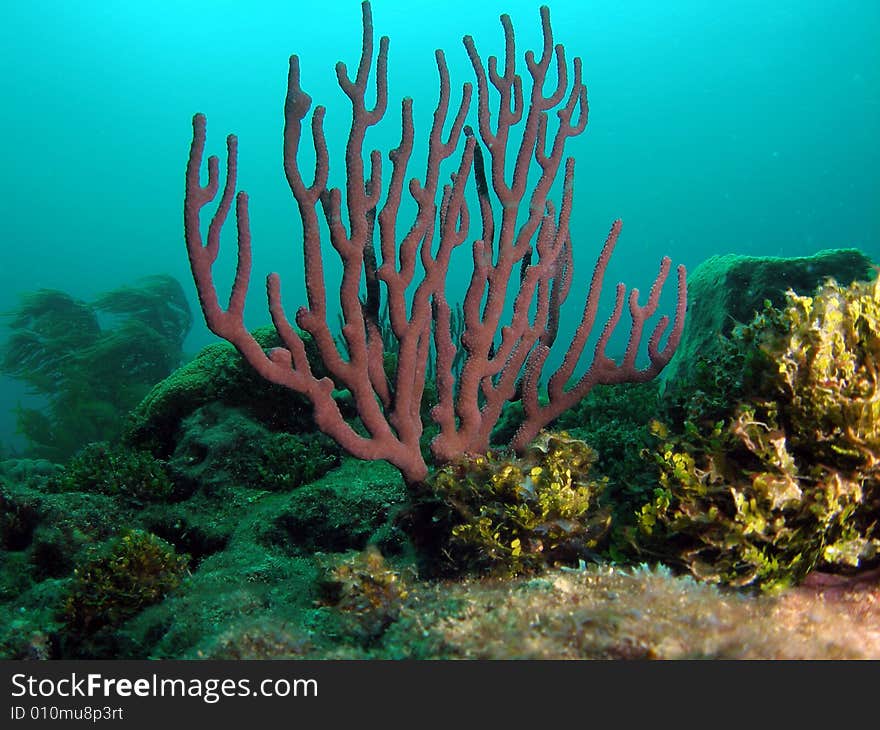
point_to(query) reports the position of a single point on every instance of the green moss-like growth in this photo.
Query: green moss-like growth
(133, 571)
(48, 529)
(511, 515)
(347, 509)
(787, 479)
(288, 460)
(116, 471)
(18, 519)
(218, 445)
(615, 421)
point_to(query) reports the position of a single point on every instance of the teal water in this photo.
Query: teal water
(715, 127)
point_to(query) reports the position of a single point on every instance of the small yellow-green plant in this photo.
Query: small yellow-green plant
(511, 515)
(135, 570)
(367, 591)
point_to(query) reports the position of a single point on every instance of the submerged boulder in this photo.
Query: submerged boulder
(727, 290)
(218, 374)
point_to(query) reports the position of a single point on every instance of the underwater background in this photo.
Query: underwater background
(715, 127)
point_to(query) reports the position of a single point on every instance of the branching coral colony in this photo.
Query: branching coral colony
(523, 251)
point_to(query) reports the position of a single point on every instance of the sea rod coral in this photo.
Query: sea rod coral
(522, 253)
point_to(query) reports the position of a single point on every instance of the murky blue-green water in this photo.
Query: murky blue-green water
(715, 127)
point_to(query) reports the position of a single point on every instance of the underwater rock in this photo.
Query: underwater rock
(348, 509)
(257, 596)
(220, 445)
(609, 612)
(726, 290)
(217, 374)
(23, 471)
(42, 536)
(27, 511)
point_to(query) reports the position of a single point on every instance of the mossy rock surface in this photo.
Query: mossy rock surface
(219, 445)
(345, 510)
(218, 374)
(266, 576)
(730, 289)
